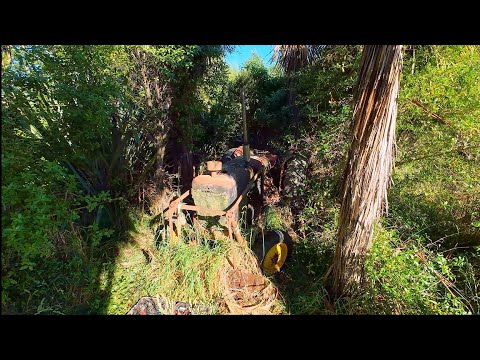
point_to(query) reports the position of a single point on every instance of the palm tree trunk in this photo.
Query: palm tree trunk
(370, 161)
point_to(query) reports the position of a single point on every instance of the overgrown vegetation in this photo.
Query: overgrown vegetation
(426, 214)
(97, 139)
(182, 272)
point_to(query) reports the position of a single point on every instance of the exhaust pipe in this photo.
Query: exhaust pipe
(246, 145)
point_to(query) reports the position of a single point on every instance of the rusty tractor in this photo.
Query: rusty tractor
(216, 199)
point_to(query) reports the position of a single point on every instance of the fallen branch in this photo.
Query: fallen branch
(434, 155)
(429, 112)
(448, 284)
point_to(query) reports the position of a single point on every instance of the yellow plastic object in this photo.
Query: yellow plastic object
(174, 234)
(174, 237)
(275, 258)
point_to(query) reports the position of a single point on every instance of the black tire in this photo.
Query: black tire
(270, 239)
(287, 239)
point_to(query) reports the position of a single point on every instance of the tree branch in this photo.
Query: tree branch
(429, 112)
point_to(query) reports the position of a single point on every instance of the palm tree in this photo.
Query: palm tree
(371, 155)
(370, 160)
(292, 58)
(295, 57)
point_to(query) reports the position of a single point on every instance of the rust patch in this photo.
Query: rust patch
(223, 180)
(272, 194)
(246, 279)
(238, 151)
(214, 165)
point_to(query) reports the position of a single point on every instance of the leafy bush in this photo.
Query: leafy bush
(408, 278)
(57, 107)
(75, 125)
(437, 177)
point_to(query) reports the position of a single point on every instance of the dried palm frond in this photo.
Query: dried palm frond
(370, 161)
(294, 57)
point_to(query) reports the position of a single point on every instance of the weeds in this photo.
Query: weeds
(196, 270)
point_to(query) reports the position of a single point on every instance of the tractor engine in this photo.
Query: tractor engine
(228, 180)
(219, 189)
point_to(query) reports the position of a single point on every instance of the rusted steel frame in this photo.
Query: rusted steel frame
(171, 227)
(229, 226)
(170, 223)
(175, 202)
(237, 233)
(171, 210)
(176, 206)
(231, 222)
(198, 208)
(232, 207)
(229, 217)
(199, 226)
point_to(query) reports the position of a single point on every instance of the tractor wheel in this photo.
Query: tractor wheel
(273, 250)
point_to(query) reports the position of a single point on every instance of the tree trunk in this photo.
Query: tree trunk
(370, 160)
(158, 96)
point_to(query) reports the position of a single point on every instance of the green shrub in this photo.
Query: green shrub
(408, 278)
(56, 107)
(437, 176)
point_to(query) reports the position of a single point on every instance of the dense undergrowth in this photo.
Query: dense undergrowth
(424, 257)
(82, 178)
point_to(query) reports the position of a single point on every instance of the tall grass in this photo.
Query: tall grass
(181, 272)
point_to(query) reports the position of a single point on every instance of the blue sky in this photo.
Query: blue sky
(244, 52)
